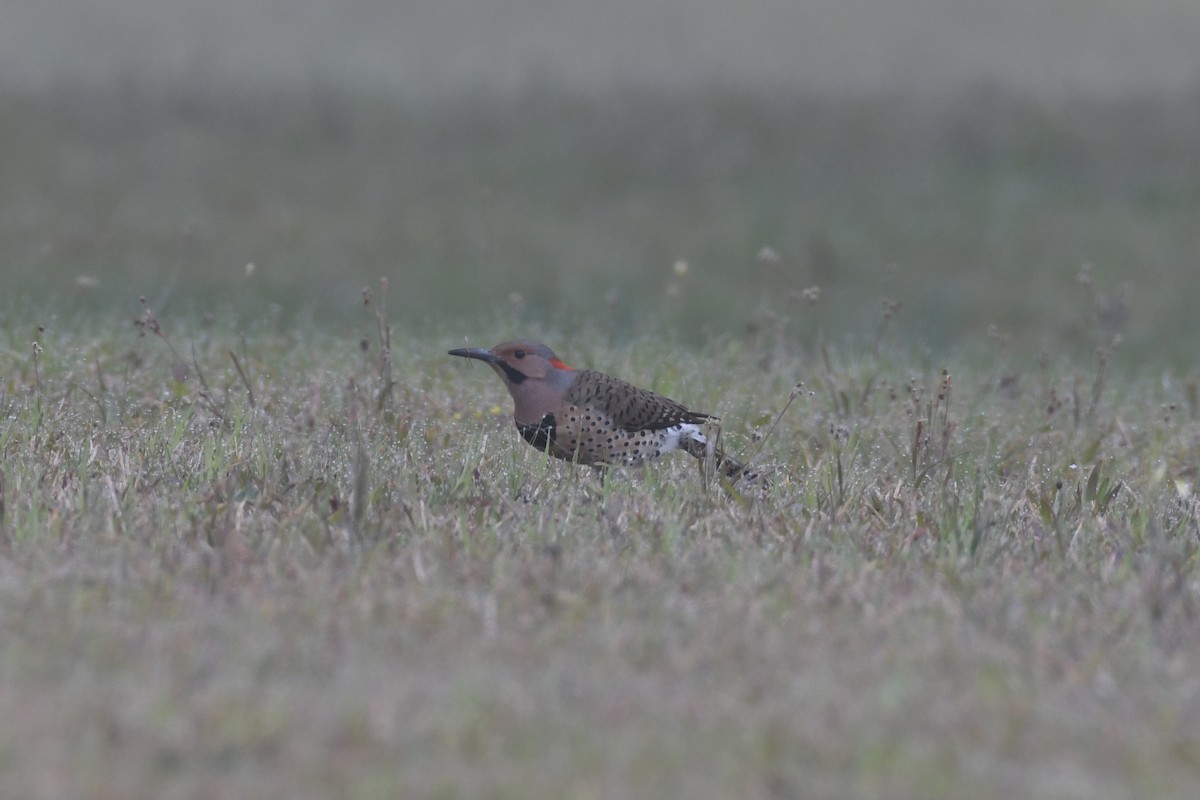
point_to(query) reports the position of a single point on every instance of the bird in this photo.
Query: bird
(588, 417)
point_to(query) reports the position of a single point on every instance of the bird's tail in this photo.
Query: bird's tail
(709, 452)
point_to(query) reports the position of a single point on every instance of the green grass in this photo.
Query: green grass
(978, 585)
(244, 554)
(973, 212)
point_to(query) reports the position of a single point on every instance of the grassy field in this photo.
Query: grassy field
(423, 47)
(976, 213)
(270, 541)
(282, 563)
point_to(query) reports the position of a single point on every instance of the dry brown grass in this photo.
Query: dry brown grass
(976, 582)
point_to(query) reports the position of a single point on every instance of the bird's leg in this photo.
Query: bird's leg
(601, 471)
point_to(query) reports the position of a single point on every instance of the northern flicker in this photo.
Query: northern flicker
(591, 418)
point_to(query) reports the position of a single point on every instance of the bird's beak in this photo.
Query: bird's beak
(479, 353)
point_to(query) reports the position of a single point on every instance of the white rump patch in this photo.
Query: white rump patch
(684, 430)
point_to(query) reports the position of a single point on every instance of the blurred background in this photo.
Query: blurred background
(1003, 173)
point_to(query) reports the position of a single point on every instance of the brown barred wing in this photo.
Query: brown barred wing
(629, 407)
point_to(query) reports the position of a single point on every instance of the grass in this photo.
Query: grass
(971, 212)
(276, 563)
(260, 537)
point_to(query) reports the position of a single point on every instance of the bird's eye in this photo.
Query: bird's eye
(519, 353)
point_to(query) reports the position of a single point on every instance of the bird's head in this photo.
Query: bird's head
(536, 378)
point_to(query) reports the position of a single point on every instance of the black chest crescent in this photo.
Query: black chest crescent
(540, 434)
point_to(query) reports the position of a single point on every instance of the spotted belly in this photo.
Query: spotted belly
(588, 436)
